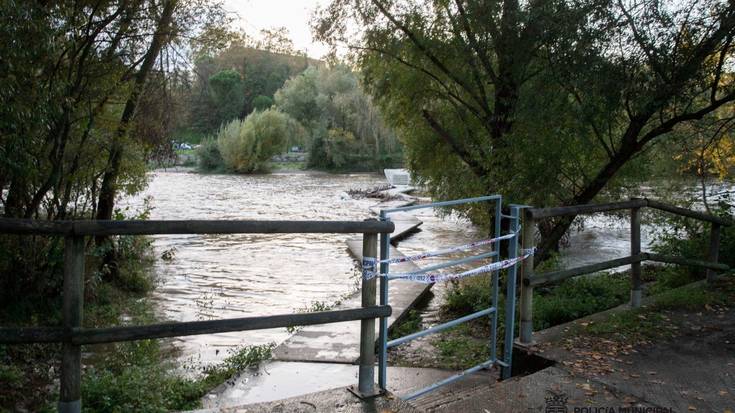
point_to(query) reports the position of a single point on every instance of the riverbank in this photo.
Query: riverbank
(466, 345)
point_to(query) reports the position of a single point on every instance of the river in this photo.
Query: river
(224, 276)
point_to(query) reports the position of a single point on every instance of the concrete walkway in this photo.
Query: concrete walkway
(685, 363)
(281, 380)
(340, 342)
(335, 400)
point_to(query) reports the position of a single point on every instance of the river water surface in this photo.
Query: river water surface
(226, 276)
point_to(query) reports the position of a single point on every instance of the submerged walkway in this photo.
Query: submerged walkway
(321, 357)
(340, 342)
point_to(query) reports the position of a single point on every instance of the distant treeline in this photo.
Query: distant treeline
(248, 105)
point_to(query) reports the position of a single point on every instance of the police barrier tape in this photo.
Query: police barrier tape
(368, 265)
(448, 250)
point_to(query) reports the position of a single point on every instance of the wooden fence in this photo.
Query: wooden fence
(531, 280)
(72, 334)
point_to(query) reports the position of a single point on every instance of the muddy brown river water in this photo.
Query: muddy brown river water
(223, 276)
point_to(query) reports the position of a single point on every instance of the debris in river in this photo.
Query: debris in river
(377, 192)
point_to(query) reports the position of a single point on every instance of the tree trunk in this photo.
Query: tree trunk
(108, 189)
(550, 242)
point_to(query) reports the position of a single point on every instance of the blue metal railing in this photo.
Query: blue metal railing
(505, 362)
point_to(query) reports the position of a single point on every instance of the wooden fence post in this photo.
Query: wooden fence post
(635, 249)
(528, 229)
(71, 359)
(714, 250)
(366, 378)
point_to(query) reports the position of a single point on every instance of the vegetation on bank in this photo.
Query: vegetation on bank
(136, 376)
(322, 110)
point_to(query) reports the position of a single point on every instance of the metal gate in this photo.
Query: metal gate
(423, 275)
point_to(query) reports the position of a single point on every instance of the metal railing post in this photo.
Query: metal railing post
(366, 378)
(383, 335)
(71, 359)
(510, 296)
(526, 310)
(635, 249)
(714, 250)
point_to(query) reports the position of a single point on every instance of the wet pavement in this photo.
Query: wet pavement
(687, 365)
(340, 342)
(280, 380)
(336, 400)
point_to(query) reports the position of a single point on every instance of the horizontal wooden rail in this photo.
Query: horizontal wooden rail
(688, 213)
(687, 262)
(556, 276)
(101, 227)
(80, 336)
(538, 213)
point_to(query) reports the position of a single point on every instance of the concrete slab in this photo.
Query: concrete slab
(340, 342)
(693, 371)
(527, 394)
(335, 400)
(279, 380)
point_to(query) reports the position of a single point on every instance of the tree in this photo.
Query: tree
(247, 145)
(227, 95)
(343, 123)
(504, 96)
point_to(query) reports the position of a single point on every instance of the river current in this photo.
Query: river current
(226, 276)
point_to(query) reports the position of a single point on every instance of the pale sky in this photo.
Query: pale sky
(255, 15)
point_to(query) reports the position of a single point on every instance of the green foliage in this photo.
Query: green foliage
(458, 349)
(247, 146)
(133, 377)
(483, 106)
(208, 155)
(262, 102)
(345, 129)
(578, 297)
(684, 237)
(227, 94)
(410, 325)
(262, 66)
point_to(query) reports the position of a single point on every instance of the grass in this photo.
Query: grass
(314, 307)
(410, 325)
(135, 376)
(459, 348)
(569, 300)
(653, 321)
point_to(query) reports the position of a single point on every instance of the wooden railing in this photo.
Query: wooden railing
(73, 335)
(531, 280)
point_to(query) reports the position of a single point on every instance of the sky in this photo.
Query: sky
(255, 15)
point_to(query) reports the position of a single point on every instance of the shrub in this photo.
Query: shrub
(262, 102)
(208, 155)
(247, 145)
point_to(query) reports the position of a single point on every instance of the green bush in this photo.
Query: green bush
(578, 297)
(574, 298)
(262, 102)
(208, 156)
(246, 146)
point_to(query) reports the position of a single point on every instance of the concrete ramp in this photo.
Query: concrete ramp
(340, 342)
